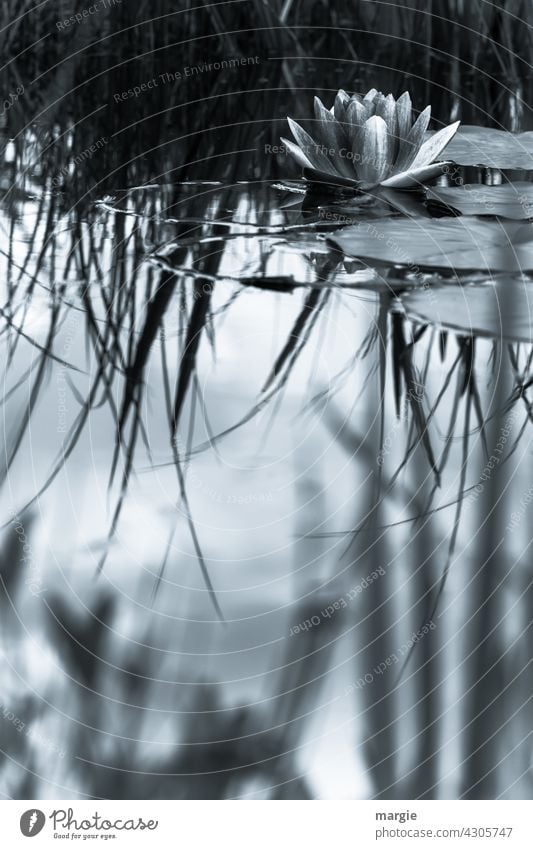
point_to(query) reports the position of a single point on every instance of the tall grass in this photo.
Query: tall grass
(467, 58)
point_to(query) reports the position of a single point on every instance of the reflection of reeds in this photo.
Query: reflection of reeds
(488, 675)
(17, 706)
(104, 693)
(126, 298)
(111, 298)
(473, 427)
(126, 306)
(375, 631)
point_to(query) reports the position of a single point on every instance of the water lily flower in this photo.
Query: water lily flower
(370, 141)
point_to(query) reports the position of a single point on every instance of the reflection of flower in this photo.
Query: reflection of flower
(370, 141)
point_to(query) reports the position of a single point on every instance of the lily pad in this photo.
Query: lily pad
(511, 200)
(456, 244)
(504, 311)
(491, 148)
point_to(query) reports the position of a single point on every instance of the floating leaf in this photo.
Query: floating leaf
(511, 200)
(457, 244)
(501, 311)
(491, 148)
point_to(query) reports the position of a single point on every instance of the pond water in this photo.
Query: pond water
(273, 473)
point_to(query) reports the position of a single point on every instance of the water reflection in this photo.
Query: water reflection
(266, 513)
(307, 464)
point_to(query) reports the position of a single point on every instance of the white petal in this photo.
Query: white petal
(356, 112)
(374, 162)
(386, 109)
(370, 95)
(433, 147)
(339, 107)
(367, 103)
(314, 175)
(325, 125)
(410, 145)
(355, 117)
(310, 148)
(331, 133)
(414, 176)
(296, 153)
(403, 114)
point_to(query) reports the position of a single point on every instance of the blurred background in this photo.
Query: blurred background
(265, 530)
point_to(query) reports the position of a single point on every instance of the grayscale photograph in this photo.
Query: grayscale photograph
(266, 409)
